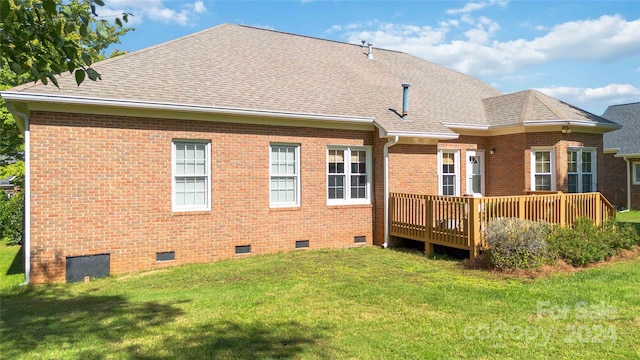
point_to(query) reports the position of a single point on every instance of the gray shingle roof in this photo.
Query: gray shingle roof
(248, 68)
(532, 105)
(626, 139)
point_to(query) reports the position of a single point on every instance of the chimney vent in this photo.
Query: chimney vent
(405, 100)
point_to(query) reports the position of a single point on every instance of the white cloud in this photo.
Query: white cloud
(475, 6)
(156, 10)
(605, 39)
(595, 97)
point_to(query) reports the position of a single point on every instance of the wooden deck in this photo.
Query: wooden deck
(459, 222)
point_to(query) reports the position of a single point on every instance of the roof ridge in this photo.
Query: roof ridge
(544, 100)
(626, 104)
(527, 105)
(311, 37)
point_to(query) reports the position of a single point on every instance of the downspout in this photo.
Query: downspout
(26, 243)
(389, 144)
(629, 179)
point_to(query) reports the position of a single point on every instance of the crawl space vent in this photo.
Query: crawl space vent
(166, 256)
(243, 249)
(301, 244)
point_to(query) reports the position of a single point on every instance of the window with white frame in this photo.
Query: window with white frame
(191, 175)
(449, 172)
(636, 173)
(348, 175)
(543, 169)
(285, 175)
(581, 170)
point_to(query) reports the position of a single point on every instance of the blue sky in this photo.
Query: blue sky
(586, 53)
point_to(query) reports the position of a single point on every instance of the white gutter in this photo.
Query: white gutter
(582, 123)
(389, 144)
(153, 105)
(439, 136)
(27, 194)
(628, 156)
(466, 126)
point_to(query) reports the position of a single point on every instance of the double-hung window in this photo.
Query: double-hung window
(636, 172)
(543, 169)
(285, 175)
(581, 170)
(348, 175)
(449, 172)
(191, 175)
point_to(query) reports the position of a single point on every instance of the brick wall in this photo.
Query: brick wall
(102, 184)
(615, 180)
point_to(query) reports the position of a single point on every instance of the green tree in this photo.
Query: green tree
(44, 38)
(40, 39)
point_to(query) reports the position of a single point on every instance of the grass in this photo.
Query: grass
(629, 216)
(365, 303)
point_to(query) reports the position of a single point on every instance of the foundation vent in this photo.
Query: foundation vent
(243, 249)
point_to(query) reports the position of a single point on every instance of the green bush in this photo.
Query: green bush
(587, 243)
(517, 244)
(11, 217)
(621, 235)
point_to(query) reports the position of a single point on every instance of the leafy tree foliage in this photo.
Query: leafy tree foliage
(44, 38)
(40, 39)
(11, 217)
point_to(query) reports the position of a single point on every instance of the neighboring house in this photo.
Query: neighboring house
(622, 157)
(8, 186)
(240, 140)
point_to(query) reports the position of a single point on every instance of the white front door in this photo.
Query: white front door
(475, 172)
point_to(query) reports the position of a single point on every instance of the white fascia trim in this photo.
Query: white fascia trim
(611, 150)
(402, 134)
(582, 123)
(467, 126)
(629, 156)
(151, 105)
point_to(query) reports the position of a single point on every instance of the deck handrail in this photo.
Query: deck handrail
(460, 221)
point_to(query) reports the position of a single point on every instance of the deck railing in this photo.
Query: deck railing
(459, 222)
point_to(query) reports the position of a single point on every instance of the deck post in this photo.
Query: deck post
(474, 223)
(598, 210)
(563, 210)
(521, 208)
(428, 249)
(428, 219)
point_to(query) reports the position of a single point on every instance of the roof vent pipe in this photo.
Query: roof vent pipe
(405, 100)
(370, 53)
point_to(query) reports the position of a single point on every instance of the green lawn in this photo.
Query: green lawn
(365, 303)
(628, 216)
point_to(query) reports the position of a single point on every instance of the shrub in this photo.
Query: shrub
(11, 217)
(517, 244)
(587, 243)
(621, 235)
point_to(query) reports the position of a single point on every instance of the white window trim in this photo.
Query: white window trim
(594, 166)
(532, 167)
(295, 203)
(456, 158)
(176, 208)
(347, 182)
(635, 169)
